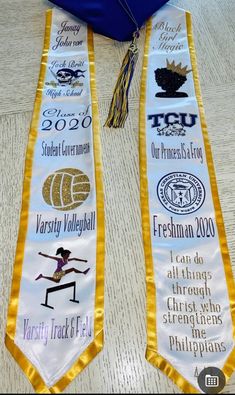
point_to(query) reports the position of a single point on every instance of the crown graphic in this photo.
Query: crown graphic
(176, 68)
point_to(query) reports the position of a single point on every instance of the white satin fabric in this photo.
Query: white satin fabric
(193, 319)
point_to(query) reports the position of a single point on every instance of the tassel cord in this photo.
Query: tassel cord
(119, 108)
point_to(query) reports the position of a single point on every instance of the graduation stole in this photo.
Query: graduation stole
(190, 288)
(55, 320)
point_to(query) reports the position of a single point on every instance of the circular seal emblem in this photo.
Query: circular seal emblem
(181, 193)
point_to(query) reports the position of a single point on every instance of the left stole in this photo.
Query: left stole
(55, 318)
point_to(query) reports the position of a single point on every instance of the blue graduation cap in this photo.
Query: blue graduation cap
(120, 20)
(112, 18)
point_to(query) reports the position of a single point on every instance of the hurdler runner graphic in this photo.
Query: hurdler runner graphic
(61, 262)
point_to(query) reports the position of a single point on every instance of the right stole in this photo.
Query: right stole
(190, 288)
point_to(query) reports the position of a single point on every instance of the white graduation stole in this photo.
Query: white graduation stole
(190, 288)
(55, 319)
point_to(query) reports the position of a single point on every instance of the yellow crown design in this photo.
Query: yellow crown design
(176, 68)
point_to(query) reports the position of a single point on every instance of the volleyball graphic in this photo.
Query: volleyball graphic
(66, 189)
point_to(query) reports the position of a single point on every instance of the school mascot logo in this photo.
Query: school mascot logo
(172, 129)
(67, 77)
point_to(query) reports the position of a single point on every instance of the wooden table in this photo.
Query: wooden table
(121, 367)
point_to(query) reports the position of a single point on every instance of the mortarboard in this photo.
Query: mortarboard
(120, 20)
(112, 18)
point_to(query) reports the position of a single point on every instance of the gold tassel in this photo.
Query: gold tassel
(118, 110)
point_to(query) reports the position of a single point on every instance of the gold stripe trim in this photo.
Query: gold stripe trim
(96, 346)
(100, 255)
(151, 352)
(150, 284)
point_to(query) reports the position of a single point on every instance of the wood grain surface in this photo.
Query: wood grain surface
(121, 367)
